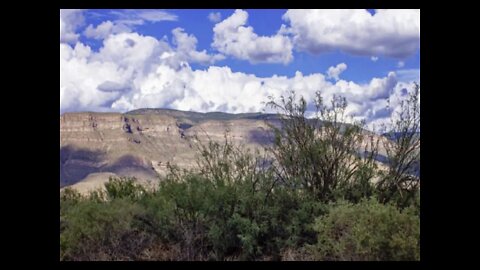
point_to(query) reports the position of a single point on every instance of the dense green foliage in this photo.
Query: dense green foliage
(316, 201)
(368, 230)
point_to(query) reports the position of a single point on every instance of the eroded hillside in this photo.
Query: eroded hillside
(140, 144)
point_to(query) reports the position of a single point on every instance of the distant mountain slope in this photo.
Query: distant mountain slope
(140, 143)
(190, 117)
(396, 135)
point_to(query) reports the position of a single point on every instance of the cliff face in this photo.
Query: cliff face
(141, 145)
(95, 146)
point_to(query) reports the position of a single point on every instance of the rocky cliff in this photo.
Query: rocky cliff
(141, 143)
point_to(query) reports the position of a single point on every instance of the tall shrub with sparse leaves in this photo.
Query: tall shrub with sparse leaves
(320, 154)
(401, 182)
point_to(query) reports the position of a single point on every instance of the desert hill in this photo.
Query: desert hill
(140, 143)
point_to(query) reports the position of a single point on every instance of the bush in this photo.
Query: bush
(368, 230)
(102, 231)
(319, 154)
(123, 187)
(237, 205)
(401, 183)
(69, 195)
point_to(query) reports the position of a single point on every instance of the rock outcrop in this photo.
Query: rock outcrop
(141, 144)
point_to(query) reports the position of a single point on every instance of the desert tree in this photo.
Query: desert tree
(319, 154)
(402, 180)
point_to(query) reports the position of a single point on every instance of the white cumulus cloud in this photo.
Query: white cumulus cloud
(131, 71)
(334, 72)
(156, 15)
(70, 21)
(125, 21)
(232, 37)
(187, 49)
(126, 78)
(104, 29)
(80, 78)
(393, 33)
(215, 16)
(408, 75)
(134, 17)
(131, 50)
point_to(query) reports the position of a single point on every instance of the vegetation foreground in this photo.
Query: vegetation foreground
(312, 196)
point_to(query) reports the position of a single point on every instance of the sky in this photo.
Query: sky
(233, 60)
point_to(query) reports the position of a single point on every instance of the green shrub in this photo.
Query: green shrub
(232, 207)
(367, 231)
(401, 183)
(70, 195)
(360, 187)
(319, 154)
(102, 231)
(123, 187)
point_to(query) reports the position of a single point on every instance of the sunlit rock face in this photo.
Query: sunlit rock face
(141, 143)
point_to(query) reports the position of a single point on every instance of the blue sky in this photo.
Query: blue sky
(175, 56)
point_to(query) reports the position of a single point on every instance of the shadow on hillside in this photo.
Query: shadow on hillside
(261, 136)
(384, 159)
(131, 166)
(76, 164)
(185, 126)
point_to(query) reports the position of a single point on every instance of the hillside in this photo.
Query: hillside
(140, 143)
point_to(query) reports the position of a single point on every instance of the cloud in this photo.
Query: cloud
(132, 17)
(334, 72)
(131, 51)
(131, 71)
(215, 16)
(221, 89)
(362, 98)
(109, 86)
(400, 64)
(392, 33)
(374, 58)
(233, 38)
(408, 75)
(70, 21)
(383, 112)
(94, 80)
(105, 29)
(186, 49)
(156, 15)
(80, 77)
(125, 21)
(214, 89)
